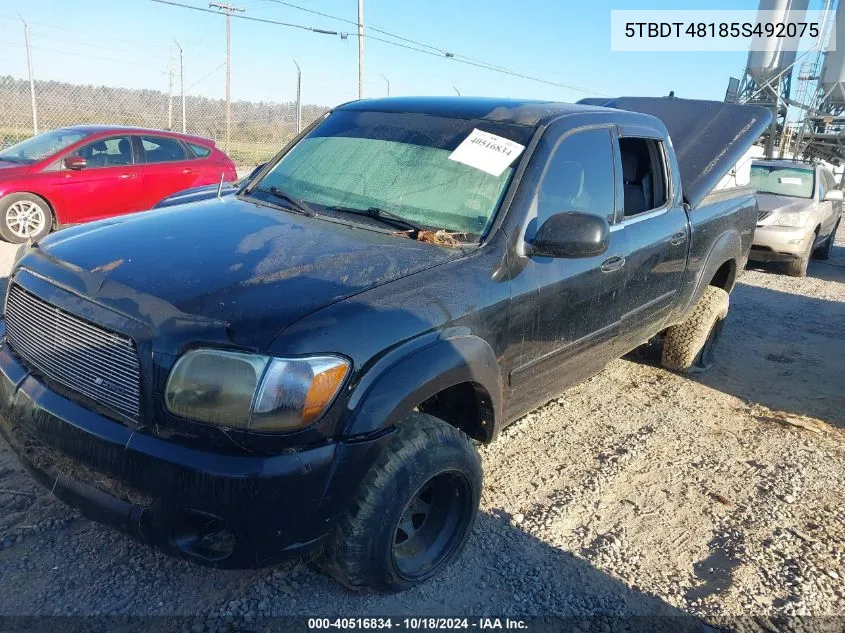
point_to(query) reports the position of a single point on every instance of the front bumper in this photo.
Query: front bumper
(779, 243)
(217, 509)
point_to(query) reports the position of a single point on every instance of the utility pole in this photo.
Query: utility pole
(182, 83)
(387, 81)
(31, 79)
(228, 9)
(298, 97)
(170, 92)
(360, 49)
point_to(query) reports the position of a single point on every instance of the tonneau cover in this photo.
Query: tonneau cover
(709, 137)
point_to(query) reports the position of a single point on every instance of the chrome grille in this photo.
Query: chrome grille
(81, 356)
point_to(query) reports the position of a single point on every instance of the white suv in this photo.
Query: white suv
(799, 210)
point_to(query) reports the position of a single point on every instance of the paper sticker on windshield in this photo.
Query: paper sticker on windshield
(487, 152)
(787, 180)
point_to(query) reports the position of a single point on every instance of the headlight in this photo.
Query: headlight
(254, 392)
(795, 219)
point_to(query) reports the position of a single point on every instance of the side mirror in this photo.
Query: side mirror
(834, 194)
(571, 235)
(75, 162)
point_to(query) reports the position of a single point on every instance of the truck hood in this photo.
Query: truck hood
(253, 268)
(709, 137)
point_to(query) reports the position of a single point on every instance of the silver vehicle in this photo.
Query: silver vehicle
(799, 211)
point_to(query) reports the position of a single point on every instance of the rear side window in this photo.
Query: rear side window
(643, 174)
(200, 151)
(579, 177)
(160, 149)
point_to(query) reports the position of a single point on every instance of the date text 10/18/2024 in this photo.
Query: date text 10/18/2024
(417, 623)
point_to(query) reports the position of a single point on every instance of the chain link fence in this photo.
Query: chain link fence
(257, 130)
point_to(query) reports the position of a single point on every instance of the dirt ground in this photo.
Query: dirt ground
(637, 492)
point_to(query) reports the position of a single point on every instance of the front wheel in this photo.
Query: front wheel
(690, 346)
(24, 216)
(798, 266)
(413, 512)
(823, 251)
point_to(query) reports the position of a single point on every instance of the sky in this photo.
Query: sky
(128, 43)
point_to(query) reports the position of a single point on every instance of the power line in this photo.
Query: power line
(248, 17)
(442, 52)
(418, 47)
(146, 45)
(504, 71)
(77, 54)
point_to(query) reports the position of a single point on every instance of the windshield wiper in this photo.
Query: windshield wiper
(386, 217)
(297, 204)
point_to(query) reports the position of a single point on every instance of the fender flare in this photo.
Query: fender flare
(728, 247)
(420, 375)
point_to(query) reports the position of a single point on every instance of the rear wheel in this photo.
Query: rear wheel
(691, 346)
(24, 216)
(823, 251)
(413, 512)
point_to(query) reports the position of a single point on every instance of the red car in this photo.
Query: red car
(88, 172)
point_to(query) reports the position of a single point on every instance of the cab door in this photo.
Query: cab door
(656, 230)
(576, 313)
(108, 184)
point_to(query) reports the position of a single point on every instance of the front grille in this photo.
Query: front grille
(763, 214)
(83, 357)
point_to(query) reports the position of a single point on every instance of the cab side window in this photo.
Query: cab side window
(579, 177)
(646, 187)
(109, 152)
(160, 149)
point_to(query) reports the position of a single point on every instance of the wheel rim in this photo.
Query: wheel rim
(25, 218)
(707, 355)
(432, 526)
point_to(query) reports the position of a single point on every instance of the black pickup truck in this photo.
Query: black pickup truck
(307, 366)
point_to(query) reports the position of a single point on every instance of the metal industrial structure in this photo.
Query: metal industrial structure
(821, 132)
(809, 121)
(767, 80)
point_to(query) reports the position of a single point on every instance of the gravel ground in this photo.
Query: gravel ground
(637, 492)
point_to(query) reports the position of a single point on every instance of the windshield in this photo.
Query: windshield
(400, 163)
(41, 146)
(782, 181)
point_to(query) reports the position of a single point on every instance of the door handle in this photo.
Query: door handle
(614, 263)
(679, 238)
(187, 170)
(125, 176)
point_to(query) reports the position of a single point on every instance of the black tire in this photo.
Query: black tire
(426, 456)
(13, 207)
(798, 266)
(690, 346)
(823, 251)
